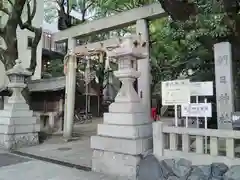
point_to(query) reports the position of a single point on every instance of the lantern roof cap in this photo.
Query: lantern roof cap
(18, 69)
(129, 47)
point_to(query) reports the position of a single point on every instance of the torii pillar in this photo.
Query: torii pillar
(143, 66)
(70, 71)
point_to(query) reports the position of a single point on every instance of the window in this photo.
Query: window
(29, 42)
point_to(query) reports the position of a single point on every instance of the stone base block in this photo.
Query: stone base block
(14, 141)
(19, 129)
(17, 120)
(132, 107)
(18, 106)
(16, 113)
(115, 164)
(126, 118)
(121, 131)
(125, 146)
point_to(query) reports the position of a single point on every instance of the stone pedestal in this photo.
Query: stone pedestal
(126, 133)
(18, 127)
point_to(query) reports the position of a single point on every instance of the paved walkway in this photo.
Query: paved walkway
(76, 152)
(22, 168)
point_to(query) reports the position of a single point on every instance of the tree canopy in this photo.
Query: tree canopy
(182, 41)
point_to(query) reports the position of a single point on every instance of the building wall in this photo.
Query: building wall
(22, 36)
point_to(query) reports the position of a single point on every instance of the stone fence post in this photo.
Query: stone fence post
(158, 138)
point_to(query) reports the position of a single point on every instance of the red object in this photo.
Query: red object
(154, 113)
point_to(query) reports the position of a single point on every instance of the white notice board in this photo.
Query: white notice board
(204, 88)
(175, 92)
(196, 110)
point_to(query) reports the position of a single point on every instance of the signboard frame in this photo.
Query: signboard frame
(203, 88)
(200, 106)
(175, 92)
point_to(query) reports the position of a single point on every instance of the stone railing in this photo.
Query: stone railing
(189, 143)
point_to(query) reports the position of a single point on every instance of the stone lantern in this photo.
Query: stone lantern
(18, 126)
(17, 77)
(126, 133)
(127, 55)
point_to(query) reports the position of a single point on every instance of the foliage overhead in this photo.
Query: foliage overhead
(180, 42)
(203, 23)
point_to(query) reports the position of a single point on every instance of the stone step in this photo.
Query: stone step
(126, 118)
(120, 145)
(124, 131)
(17, 120)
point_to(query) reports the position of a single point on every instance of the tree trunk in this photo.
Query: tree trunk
(64, 20)
(10, 38)
(11, 53)
(9, 33)
(37, 38)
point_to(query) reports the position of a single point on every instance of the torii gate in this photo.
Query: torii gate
(138, 17)
(70, 65)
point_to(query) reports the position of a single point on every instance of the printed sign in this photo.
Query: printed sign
(236, 116)
(175, 92)
(196, 110)
(201, 88)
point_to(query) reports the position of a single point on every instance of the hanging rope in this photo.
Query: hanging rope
(65, 62)
(66, 59)
(107, 64)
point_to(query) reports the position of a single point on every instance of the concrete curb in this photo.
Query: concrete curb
(54, 161)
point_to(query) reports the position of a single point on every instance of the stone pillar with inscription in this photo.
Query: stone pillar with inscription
(224, 84)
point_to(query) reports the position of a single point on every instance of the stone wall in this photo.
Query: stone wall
(181, 169)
